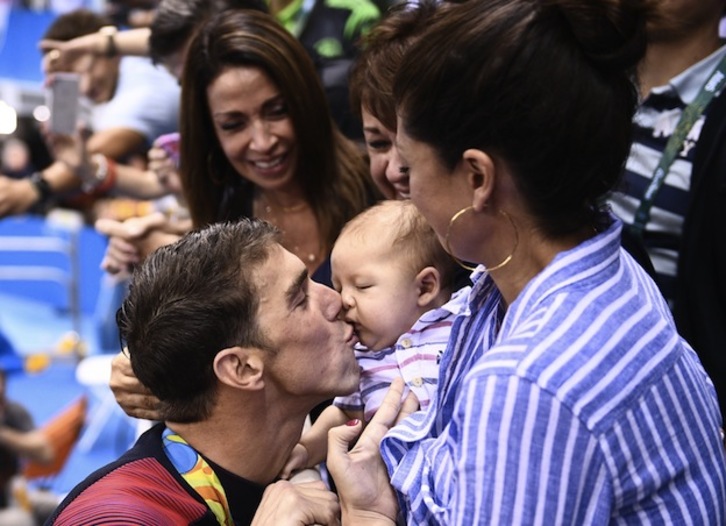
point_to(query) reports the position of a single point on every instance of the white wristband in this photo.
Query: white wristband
(100, 174)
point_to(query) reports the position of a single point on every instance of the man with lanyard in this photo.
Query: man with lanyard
(674, 190)
(226, 328)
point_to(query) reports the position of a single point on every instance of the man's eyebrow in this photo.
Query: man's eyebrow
(293, 290)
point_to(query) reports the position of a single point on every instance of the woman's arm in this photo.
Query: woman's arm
(130, 241)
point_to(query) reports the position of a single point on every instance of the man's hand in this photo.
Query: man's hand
(16, 196)
(134, 397)
(288, 504)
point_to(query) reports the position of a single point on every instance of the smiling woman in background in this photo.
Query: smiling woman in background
(258, 140)
(371, 90)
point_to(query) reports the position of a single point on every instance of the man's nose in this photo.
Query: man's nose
(333, 303)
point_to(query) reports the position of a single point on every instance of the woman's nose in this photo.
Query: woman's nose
(396, 171)
(263, 140)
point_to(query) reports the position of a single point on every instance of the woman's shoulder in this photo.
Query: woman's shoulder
(571, 345)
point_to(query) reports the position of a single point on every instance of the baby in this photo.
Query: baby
(396, 282)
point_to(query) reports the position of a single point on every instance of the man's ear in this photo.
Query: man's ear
(429, 286)
(481, 176)
(240, 368)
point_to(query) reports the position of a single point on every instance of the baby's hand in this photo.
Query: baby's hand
(298, 460)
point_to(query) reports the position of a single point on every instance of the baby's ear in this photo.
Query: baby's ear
(429, 286)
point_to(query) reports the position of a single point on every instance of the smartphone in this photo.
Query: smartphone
(170, 144)
(62, 101)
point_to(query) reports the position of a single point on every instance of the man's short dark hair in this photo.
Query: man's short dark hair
(187, 302)
(75, 24)
(175, 21)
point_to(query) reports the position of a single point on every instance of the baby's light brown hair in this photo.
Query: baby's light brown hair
(409, 234)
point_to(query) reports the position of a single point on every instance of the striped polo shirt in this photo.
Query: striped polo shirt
(653, 124)
(415, 357)
(578, 405)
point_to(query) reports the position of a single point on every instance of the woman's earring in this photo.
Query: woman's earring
(453, 220)
(504, 262)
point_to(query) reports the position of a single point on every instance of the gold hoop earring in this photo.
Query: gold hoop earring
(504, 262)
(453, 220)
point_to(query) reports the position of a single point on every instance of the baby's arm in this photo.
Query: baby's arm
(313, 446)
(315, 441)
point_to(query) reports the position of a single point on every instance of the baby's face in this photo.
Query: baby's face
(379, 289)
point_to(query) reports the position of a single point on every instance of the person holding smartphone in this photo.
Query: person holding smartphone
(132, 101)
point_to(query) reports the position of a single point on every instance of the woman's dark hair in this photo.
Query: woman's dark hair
(543, 85)
(330, 169)
(382, 50)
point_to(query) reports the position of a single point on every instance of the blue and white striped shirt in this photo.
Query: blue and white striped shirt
(580, 405)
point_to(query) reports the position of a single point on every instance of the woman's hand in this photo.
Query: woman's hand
(165, 169)
(134, 397)
(59, 55)
(132, 240)
(366, 496)
(288, 504)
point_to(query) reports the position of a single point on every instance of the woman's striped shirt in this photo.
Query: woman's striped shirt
(579, 405)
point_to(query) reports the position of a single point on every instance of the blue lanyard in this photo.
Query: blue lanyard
(690, 115)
